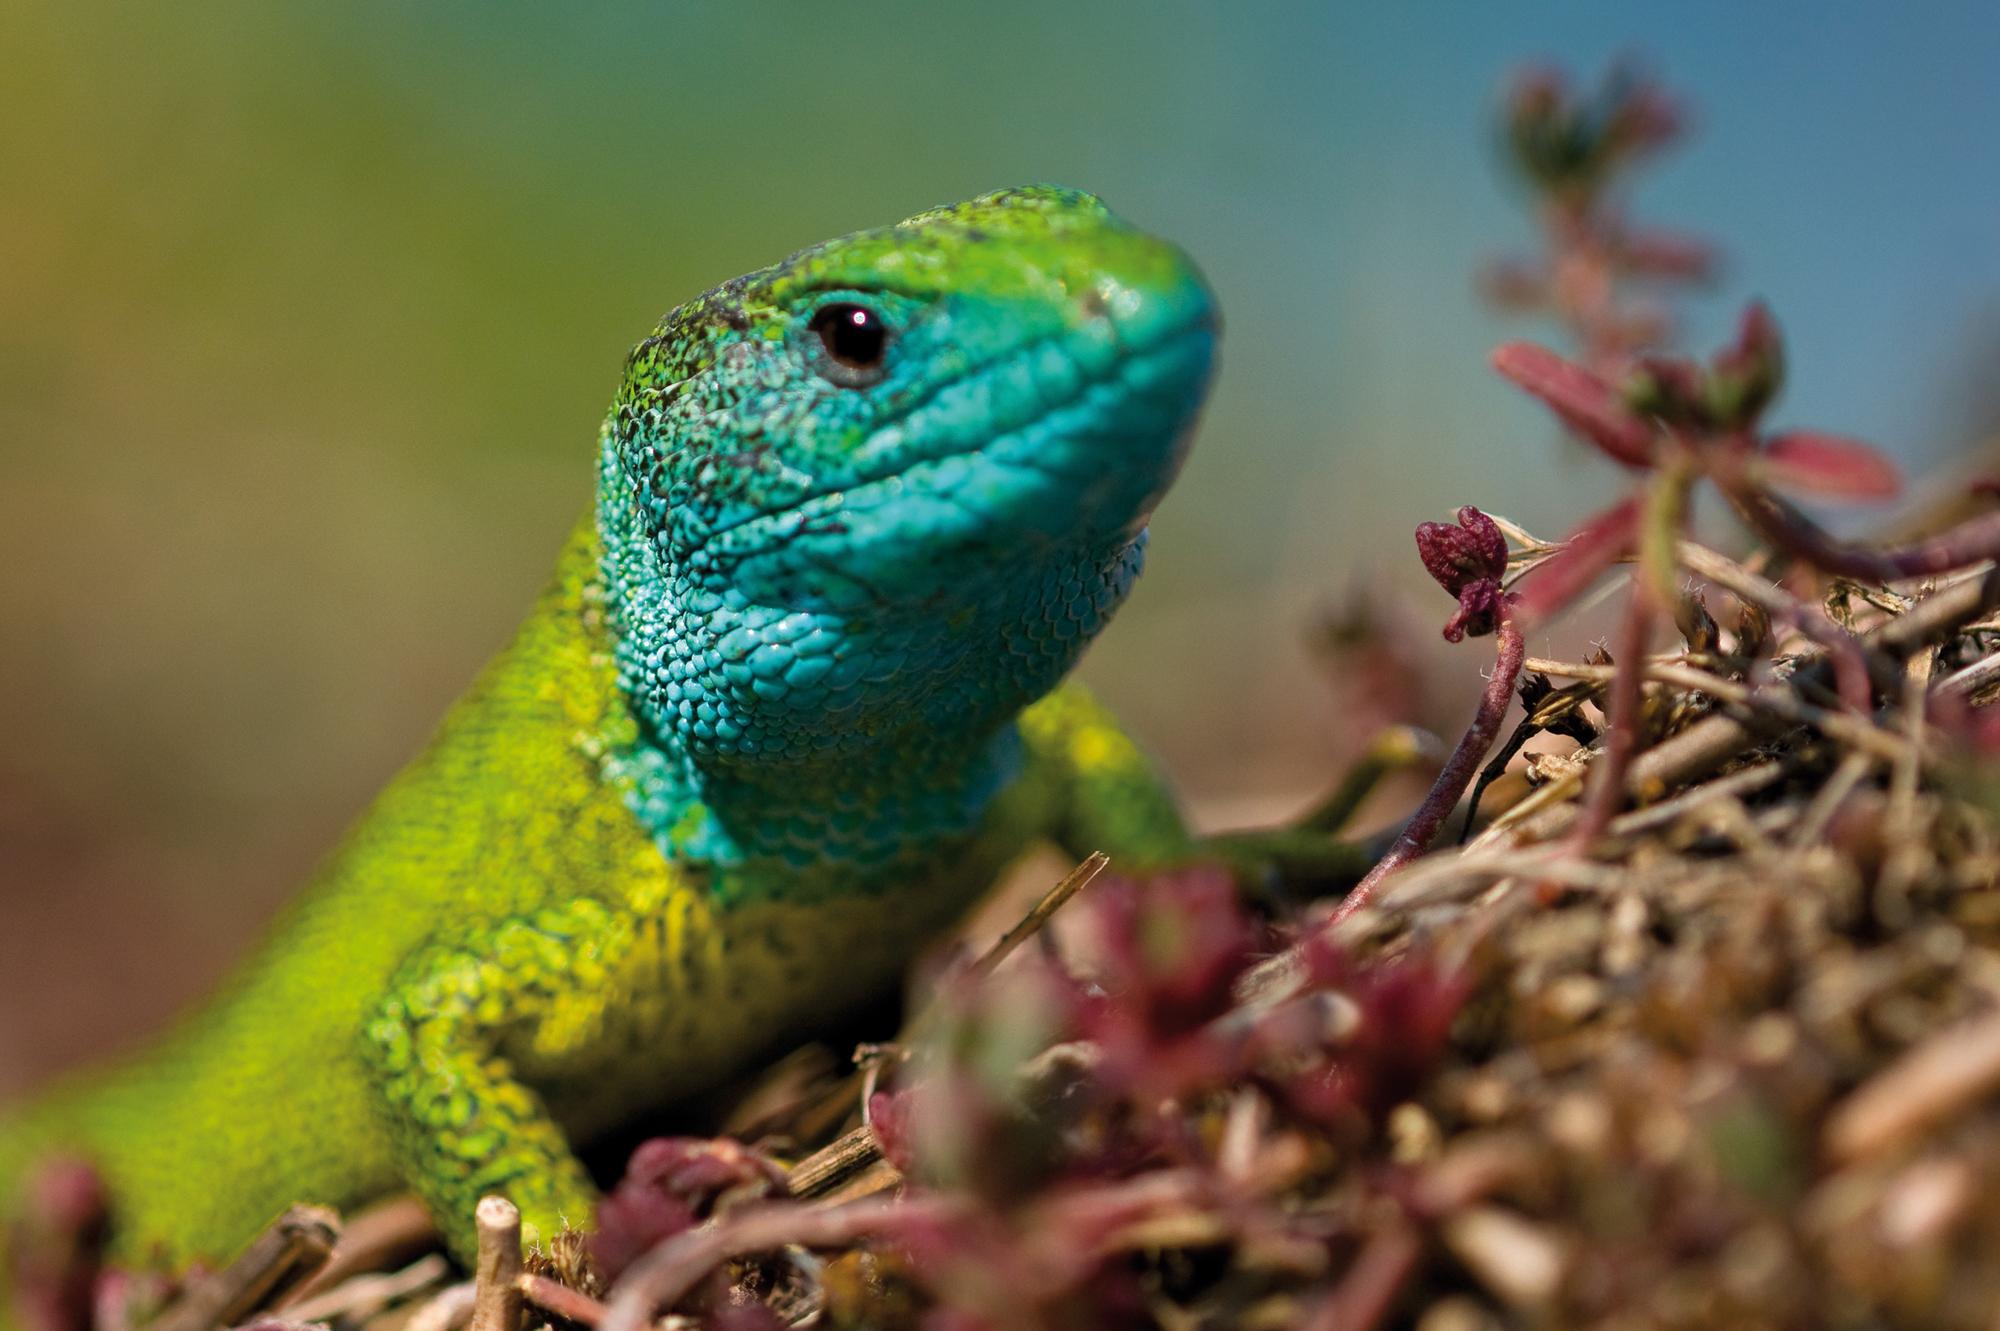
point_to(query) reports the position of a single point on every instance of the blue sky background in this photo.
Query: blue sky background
(311, 312)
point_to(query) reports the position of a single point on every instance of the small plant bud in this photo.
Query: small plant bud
(1744, 377)
(1638, 116)
(1670, 390)
(1468, 561)
(1698, 628)
(1753, 630)
(1459, 555)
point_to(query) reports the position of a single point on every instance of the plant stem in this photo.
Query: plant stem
(1458, 771)
(1796, 534)
(1626, 697)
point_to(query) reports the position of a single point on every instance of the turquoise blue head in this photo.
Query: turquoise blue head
(899, 480)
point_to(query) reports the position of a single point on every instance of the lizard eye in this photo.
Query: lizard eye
(855, 340)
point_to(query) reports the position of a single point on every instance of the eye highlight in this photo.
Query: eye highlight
(855, 340)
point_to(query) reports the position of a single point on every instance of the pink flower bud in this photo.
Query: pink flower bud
(1468, 560)
(1462, 554)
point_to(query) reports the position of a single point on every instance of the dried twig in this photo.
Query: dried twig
(1714, 740)
(497, 1300)
(1932, 1081)
(387, 1233)
(449, 1310)
(1780, 701)
(1855, 667)
(666, 1274)
(834, 1165)
(1746, 781)
(296, 1245)
(361, 1297)
(1040, 913)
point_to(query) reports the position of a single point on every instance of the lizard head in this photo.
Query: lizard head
(899, 479)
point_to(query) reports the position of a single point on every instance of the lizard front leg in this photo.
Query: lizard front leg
(450, 1047)
(1112, 797)
(1114, 800)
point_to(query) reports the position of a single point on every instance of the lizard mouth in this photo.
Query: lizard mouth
(1081, 436)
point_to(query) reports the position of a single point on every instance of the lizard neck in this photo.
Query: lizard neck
(808, 829)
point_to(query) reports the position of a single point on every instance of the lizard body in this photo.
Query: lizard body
(773, 722)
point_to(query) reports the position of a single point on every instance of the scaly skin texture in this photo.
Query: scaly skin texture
(773, 723)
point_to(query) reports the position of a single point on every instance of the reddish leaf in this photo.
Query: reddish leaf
(1591, 548)
(1588, 405)
(1825, 464)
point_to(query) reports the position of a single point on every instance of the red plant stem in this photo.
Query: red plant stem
(566, 1303)
(1458, 771)
(1622, 706)
(1781, 524)
(1364, 1297)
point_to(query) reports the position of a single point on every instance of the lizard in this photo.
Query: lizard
(794, 697)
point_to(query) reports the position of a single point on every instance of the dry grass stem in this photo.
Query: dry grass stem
(496, 1280)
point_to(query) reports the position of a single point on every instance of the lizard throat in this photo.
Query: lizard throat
(754, 834)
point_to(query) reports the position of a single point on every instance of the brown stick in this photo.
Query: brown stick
(295, 1245)
(394, 1231)
(447, 1310)
(846, 1157)
(665, 1275)
(496, 1300)
(1052, 901)
(1945, 1074)
(360, 1297)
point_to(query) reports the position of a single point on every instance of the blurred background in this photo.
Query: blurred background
(308, 315)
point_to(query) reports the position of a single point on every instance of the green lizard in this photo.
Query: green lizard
(785, 709)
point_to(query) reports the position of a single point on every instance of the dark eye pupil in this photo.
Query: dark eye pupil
(853, 335)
